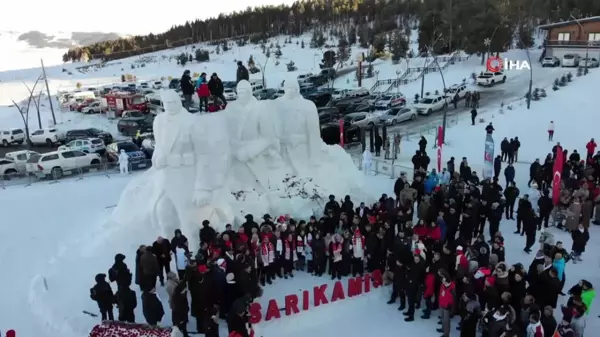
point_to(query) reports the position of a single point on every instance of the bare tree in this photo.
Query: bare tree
(24, 112)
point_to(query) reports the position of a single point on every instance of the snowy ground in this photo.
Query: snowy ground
(54, 242)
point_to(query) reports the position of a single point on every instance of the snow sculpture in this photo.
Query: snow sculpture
(186, 183)
(256, 163)
(300, 139)
(367, 161)
(220, 167)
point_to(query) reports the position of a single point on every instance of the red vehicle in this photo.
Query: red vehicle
(121, 101)
(80, 104)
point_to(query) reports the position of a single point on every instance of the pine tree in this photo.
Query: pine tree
(268, 53)
(225, 46)
(342, 53)
(302, 44)
(352, 35)
(399, 47)
(364, 36)
(379, 45)
(370, 71)
(218, 50)
(190, 58)
(278, 52)
(183, 58)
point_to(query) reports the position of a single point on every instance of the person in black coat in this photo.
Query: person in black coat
(207, 233)
(187, 88)
(414, 280)
(126, 300)
(180, 308)
(511, 193)
(529, 228)
(580, 237)
(425, 161)
(161, 248)
(509, 174)
(416, 160)
(525, 208)
(473, 116)
(178, 240)
(378, 144)
(103, 295)
(249, 224)
(422, 144)
(119, 272)
(237, 317)
(152, 307)
(450, 166)
(545, 206)
(489, 129)
(215, 85)
(504, 145)
(534, 171)
(497, 166)
(242, 72)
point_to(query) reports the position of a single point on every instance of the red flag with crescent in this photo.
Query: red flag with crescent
(556, 180)
(440, 143)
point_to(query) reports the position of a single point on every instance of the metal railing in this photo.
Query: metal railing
(389, 168)
(570, 43)
(54, 176)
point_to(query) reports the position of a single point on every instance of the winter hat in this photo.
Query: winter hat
(205, 223)
(202, 268)
(119, 257)
(230, 278)
(281, 219)
(491, 280)
(459, 248)
(222, 263)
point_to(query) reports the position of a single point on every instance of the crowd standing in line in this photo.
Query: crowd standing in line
(429, 240)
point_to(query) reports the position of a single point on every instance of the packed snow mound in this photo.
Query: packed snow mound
(256, 157)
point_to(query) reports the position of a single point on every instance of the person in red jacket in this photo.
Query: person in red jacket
(428, 293)
(435, 232)
(446, 301)
(591, 148)
(203, 91)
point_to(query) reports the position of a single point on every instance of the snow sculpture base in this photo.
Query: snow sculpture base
(221, 167)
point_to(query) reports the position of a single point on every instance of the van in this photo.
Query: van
(570, 60)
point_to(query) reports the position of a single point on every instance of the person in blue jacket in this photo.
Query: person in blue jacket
(431, 182)
(559, 265)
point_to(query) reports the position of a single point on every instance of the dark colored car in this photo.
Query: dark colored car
(137, 157)
(317, 80)
(131, 125)
(88, 133)
(361, 107)
(321, 99)
(265, 94)
(330, 133)
(175, 84)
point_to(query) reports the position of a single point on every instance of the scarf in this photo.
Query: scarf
(267, 255)
(289, 247)
(337, 251)
(358, 244)
(299, 244)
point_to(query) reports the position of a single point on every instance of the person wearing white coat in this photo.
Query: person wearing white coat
(445, 177)
(181, 261)
(534, 196)
(123, 162)
(551, 131)
(367, 161)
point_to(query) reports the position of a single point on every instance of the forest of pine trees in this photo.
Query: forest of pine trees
(443, 25)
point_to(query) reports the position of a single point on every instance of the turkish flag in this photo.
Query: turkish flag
(342, 132)
(556, 180)
(440, 143)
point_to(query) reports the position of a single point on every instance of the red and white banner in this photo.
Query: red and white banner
(341, 132)
(440, 144)
(556, 180)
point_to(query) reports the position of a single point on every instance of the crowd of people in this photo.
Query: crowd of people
(429, 240)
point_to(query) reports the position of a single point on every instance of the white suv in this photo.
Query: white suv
(56, 164)
(46, 136)
(8, 168)
(20, 158)
(89, 145)
(12, 136)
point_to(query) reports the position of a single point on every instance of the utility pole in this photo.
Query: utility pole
(450, 40)
(48, 92)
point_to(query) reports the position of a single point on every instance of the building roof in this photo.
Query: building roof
(570, 22)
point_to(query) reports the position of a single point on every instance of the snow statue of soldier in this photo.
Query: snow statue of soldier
(186, 183)
(123, 162)
(256, 160)
(367, 161)
(300, 138)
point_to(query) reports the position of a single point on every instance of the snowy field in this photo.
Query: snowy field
(55, 237)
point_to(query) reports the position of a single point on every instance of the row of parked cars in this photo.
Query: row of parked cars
(82, 150)
(570, 60)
